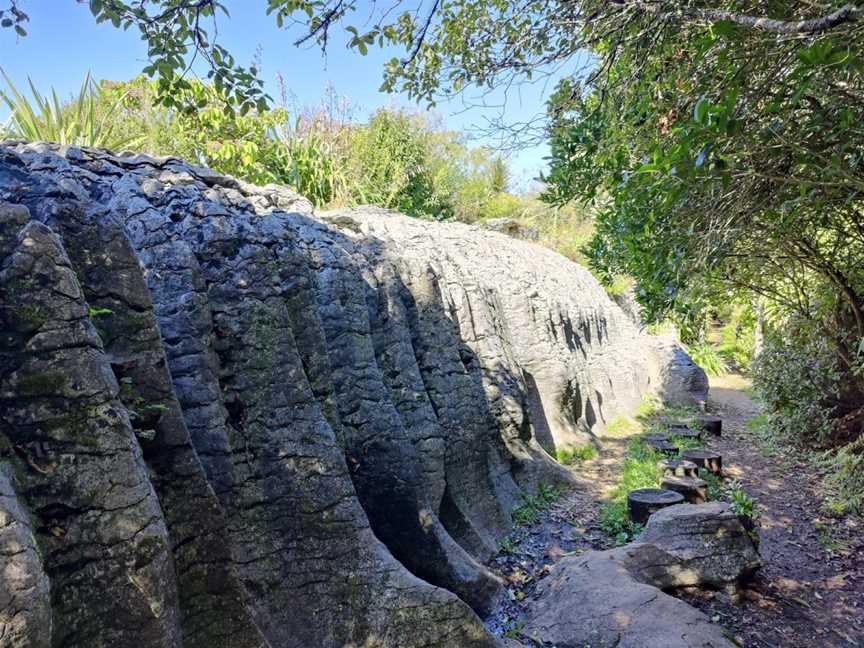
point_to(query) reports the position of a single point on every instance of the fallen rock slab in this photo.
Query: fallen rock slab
(594, 600)
(693, 544)
(616, 598)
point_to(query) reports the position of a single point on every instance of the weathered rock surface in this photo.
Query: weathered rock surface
(618, 593)
(593, 600)
(693, 544)
(226, 421)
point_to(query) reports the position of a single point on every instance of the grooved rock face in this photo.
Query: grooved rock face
(226, 421)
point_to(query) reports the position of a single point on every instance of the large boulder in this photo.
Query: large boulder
(226, 420)
(693, 544)
(594, 600)
(616, 598)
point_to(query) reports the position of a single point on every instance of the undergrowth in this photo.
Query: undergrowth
(622, 426)
(574, 454)
(639, 469)
(528, 512)
(709, 358)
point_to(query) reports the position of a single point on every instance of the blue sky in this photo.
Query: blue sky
(64, 43)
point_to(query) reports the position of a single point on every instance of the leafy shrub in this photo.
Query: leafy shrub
(847, 477)
(685, 443)
(741, 504)
(707, 357)
(738, 336)
(615, 522)
(85, 120)
(794, 377)
(715, 485)
(508, 547)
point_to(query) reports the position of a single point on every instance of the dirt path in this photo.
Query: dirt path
(810, 591)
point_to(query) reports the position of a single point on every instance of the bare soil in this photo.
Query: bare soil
(810, 590)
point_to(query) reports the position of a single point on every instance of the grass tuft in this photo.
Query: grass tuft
(569, 455)
(528, 512)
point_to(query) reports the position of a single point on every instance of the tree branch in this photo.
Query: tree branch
(846, 14)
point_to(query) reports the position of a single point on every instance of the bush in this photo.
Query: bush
(738, 335)
(707, 357)
(615, 522)
(795, 377)
(90, 119)
(847, 477)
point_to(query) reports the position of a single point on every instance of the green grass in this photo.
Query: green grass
(686, 443)
(616, 523)
(508, 546)
(650, 406)
(528, 512)
(623, 426)
(515, 631)
(639, 469)
(575, 454)
(766, 440)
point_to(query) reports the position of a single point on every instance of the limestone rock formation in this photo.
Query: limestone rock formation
(227, 421)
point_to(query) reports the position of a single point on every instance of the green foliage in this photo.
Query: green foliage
(623, 426)
(615, 522)
(392, 156)
(720, 180)
(740, 503)
(576, 454)
(847, 476)
(686, 443)
(177, 33)
(737, 342)
(508, 546)
(528, 512)
(398, 159)
(706, 356)
(797, 379)
(98, 312)
(715, 485)
(515, 631)
(86, 120)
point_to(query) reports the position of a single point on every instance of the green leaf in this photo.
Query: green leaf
(700, 111)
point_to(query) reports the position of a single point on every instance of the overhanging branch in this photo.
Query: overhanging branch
(848, 13)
